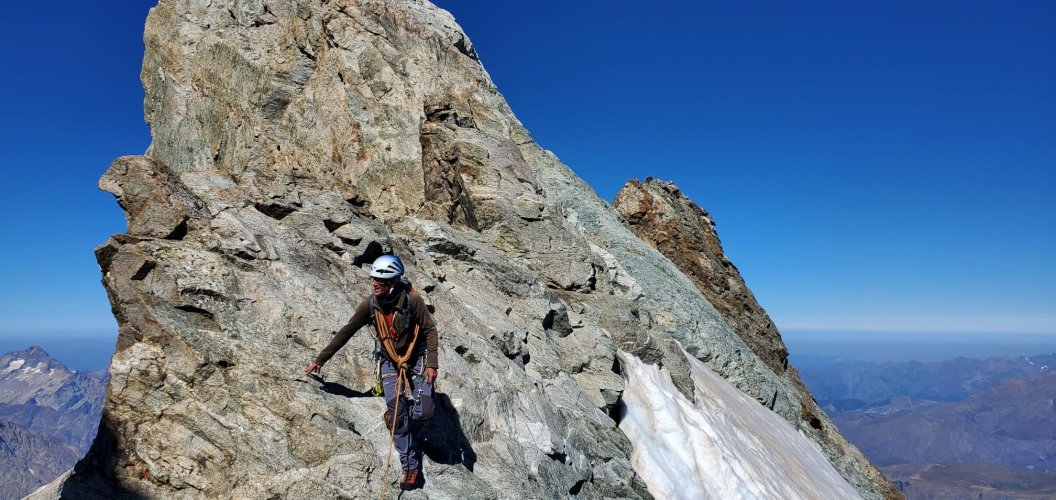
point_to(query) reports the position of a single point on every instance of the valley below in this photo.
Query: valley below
(958, 428)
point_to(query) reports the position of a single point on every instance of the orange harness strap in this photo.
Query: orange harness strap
(388, 339)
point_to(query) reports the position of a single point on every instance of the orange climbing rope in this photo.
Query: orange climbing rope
(388, 337)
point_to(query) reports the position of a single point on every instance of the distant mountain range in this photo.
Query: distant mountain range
(1012, 424)
(29, 460)
(954, 481)
(950, 429)
(49, 415)
(851, 385)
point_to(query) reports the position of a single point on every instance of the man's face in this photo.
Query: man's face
(381, 287)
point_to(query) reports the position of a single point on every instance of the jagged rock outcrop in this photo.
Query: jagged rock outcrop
(294, 142)
(668, 220)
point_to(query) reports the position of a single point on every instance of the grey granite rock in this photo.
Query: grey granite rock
(293, 142)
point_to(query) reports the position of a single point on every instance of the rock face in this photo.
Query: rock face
(294, 142)
(669, 221)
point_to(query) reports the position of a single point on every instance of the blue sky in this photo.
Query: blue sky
(872, 166)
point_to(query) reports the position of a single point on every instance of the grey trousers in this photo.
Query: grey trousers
(418, 407)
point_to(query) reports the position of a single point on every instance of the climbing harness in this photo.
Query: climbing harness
(387, 337)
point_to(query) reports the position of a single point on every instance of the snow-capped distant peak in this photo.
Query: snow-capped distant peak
(35, 369)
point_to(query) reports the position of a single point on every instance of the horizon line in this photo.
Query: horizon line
(851, 331)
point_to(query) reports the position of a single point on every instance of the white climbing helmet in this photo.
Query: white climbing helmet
(387, 267)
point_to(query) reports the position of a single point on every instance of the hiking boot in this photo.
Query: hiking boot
(412, 479)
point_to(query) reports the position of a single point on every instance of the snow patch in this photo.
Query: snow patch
(31, 372)
(724, 445)
(14, 365)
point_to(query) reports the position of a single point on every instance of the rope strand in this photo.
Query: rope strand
(402, 383)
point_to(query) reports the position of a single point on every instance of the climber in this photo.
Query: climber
(406, 348)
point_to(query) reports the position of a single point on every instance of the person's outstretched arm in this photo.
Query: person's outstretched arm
(359, 319)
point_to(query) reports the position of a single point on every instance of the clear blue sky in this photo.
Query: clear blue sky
(885, 166)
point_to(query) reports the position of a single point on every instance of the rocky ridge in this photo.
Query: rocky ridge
(294, 142)
(664, 217)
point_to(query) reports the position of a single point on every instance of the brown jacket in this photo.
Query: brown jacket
(411, 306)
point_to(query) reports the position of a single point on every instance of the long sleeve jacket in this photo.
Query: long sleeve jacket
(409, 311)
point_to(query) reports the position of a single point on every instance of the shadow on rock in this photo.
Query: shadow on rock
(442, 438)
(338, 389)
(94, 476)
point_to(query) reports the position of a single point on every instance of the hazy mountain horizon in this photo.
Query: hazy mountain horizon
(91, 351)
(80, 352)
(815, 346)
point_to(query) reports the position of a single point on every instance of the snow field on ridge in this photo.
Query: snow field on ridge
(724, 445)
